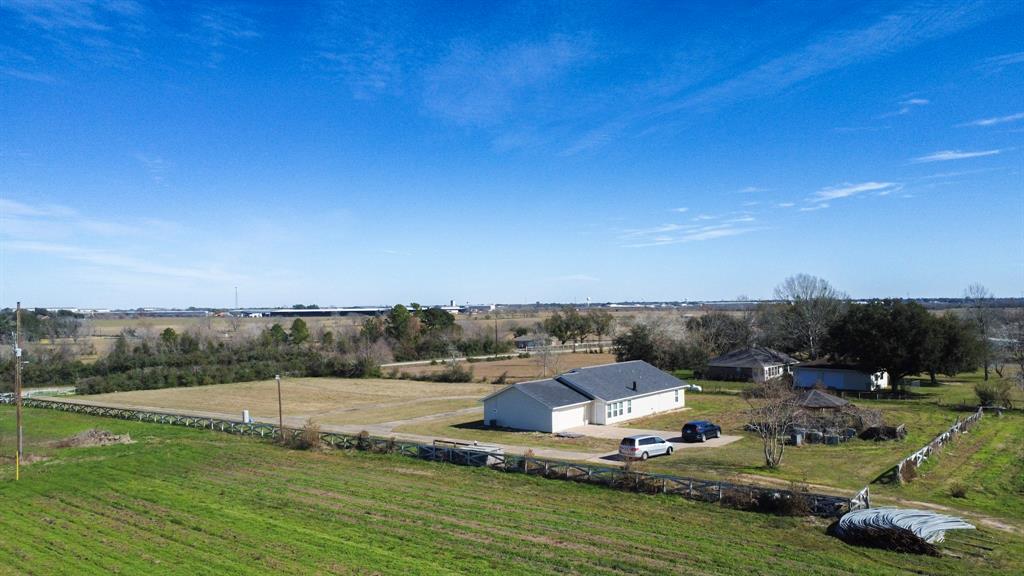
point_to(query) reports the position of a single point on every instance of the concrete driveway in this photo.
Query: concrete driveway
(673, 437)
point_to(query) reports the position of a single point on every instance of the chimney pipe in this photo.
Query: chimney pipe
(634, 385)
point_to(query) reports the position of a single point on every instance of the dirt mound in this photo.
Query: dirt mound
(93, 437)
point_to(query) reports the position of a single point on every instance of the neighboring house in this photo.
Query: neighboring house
(838, 377)
(529, 341)
(605, 394)
(750, 364)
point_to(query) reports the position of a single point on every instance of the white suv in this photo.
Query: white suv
(643, 446)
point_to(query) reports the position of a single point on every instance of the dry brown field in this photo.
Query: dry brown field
(516, 369)
(324, 400)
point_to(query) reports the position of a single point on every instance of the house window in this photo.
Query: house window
(629, 406)
(677, 396)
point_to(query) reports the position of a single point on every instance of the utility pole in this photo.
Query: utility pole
(236, 297)
(280, 410)
(17, 391)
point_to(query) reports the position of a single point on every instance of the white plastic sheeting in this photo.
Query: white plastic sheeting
(929, 526)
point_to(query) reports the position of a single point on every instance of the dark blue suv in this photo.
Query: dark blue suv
(700, 430)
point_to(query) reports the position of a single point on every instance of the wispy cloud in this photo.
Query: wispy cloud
(110, 259)
(847, 189)
(634, 232)
(702, 217)
(475, 86)
(995, 120)
(155, 166)
(997, 63)
(786, 204)
(10, 208)
(367, 46)
(947, 155)
(893, 32)
(697, 234)
(31, 76)
(906, 106)
(821, 206)
(84, 15)
(681, 210)
(751, 190)
(823, 53)
(85, 31)
(220, 29)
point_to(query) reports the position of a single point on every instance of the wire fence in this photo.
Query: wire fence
(744, 496)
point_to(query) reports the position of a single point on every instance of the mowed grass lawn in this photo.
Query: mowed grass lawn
(988, 461)
(181, 501)
(850, 465)
(471, 427)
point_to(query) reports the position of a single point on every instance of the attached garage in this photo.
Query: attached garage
(544, 405)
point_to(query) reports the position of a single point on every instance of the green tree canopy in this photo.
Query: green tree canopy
(169, 337)
(399, 323)
(299, 332)
(890, 335)
(436, 319)
(953, 346)
(638, 343)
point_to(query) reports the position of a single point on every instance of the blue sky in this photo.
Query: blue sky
(162, 153)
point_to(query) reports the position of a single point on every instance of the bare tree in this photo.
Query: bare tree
(813, 305)
(545, 357)
(773, 408)
(1015, 344)
(601, 324)
(979, 307)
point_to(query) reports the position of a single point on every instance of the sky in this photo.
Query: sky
(165, 153)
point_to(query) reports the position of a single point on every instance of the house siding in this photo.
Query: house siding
(849, 380)
(514, 409)
(641, 406)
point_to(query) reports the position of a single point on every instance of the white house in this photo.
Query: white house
(605, 394)
(838, 377)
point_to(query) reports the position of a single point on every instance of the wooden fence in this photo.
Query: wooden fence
(905, 470)
(724, 493)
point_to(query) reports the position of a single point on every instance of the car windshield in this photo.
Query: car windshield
(690, 427)
(628, 442)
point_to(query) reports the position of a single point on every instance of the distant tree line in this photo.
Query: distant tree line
(179, 360)
(173, 359)
(419, 333)
(38, 324)
(813, 320)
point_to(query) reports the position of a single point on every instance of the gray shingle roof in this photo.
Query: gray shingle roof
(615, 381)
(751, 358)
(551, 393)
(819, 399)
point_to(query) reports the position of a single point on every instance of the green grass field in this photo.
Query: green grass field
(850, 465)
(182, 501)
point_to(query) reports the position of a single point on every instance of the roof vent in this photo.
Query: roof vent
(634, 385)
